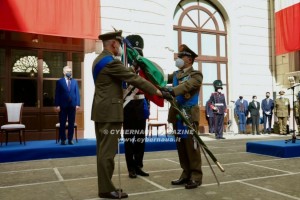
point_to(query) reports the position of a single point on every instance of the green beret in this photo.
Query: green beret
(116, 35)
(184, 50)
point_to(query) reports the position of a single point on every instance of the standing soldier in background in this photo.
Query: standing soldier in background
(297, 112)
(217, 102)
(210, 118)
(267, 106)
(282, 112)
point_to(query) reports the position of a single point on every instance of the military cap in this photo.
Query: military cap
(281, 92)
(136, 42)
(184, 50)
(217, 84)
(116, 35)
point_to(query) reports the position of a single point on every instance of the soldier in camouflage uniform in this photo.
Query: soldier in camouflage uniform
(282, 112)
(296, 111)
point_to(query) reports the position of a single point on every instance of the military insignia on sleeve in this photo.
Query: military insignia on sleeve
(187, 95)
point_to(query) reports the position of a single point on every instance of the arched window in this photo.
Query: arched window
(201, 26)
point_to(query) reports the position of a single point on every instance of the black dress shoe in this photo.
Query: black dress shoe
(140, 172)
(132, 174)
(63, 142)
(180, 181)
(113, 195)
(70, 142)
(192, 184)
(222, 138)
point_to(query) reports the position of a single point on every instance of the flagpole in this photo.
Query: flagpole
(190, 126)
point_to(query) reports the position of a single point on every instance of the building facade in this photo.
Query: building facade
(233, 38)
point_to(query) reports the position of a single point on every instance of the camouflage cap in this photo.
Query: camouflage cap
(281, 92)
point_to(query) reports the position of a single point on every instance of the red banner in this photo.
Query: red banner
(288, 29)
(66, 18)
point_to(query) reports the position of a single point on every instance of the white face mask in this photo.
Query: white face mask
(120, 51)
(179, 63)
(219, 90)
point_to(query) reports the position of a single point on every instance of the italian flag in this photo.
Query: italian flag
(151, 71)
(287, 26)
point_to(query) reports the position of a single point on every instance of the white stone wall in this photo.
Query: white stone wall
(247, 21)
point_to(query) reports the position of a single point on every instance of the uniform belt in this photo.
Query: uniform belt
(219, 104)
(135, 97)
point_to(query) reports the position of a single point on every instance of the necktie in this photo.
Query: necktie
(69, 84)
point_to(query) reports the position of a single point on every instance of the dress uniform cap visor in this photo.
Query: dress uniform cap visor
(116, 35)
(184, 50)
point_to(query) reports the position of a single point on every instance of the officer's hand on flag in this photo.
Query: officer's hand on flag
(166, 95)
(169, 90)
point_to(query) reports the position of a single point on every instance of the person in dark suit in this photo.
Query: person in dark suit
(254, 107)
(67, 101)
(186, 83)
(241, 111)
(107, 109)
(210, 117)
(136, 112)
(267, 106)
(217, 103)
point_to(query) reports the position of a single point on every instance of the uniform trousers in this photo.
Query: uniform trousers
(282, 122)
(189, 158)
(134, 135)
(219, 124)
(297, 119)
(107, 135)
(211, 124)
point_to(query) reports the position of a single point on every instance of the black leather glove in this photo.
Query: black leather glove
(168, 89)
(166, 95)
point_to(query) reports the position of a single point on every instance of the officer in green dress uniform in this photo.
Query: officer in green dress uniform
(186, 83)
(282, 112)
(107, 109)
(297, 111)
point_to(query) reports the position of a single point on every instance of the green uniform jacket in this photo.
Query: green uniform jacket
(296, 108)
(108, 96)
(282, 107)
(188, 89)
